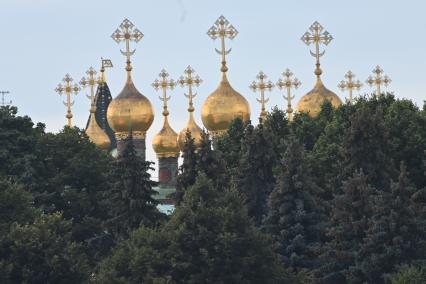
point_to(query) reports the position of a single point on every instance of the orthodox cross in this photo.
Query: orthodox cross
(189, 80)
(317, 35)
(68, 89)
(164, 84)
(127, 32)
(105, 63)
(91, 82)
(222, 29)
(262, 85)
(3, 102)
(288, 83)
(378, 80)
(350, 84)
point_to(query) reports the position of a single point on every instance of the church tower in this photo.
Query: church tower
(130, 111)
(165, 143)
(224, 104)
(311, 102)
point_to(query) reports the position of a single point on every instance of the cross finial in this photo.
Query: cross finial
(378, 80)
(288, 83)
(189, 80)
(68, 89)
(90, 82)
(222, 29)
(105, 63)
(3, 102)
(317, 35)
(164, 83)
(261, 85)
(127, 32)
(350, 84)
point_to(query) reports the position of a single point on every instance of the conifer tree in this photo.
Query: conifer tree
(255, 177)
(295, 217)
(350, 215)
(393, 237)
(209, 163)
(187, 171)
(131, 197)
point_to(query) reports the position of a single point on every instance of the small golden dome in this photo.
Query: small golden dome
(195, 133)
(96, 134)
(311, 102)
(165, 143)
(222, 107)
(130, 110)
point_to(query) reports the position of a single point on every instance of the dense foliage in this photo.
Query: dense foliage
(340, 198)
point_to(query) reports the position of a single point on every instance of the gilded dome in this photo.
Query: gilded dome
(222, 107)
(195, 133)
(96, 134)
(311, 102)
(165, 143)
(130, 109)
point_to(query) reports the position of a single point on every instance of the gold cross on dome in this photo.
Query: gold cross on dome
(288, 83)
(164, 83)
(261, 85)
(317, 35)
(68, 89)
(127, 32)
(190, 80)
(350, 84)
(378, 80)
(222, 29)
(90, 82)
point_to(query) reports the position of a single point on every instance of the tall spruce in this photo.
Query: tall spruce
(131, 196)
(295, 214)
(393, 236)
(210, 163)
(366, 147)
(350, 216)
(187, 173)
(255, 177)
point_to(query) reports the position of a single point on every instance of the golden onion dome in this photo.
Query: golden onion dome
(130, 109)
(195, 130)
(222, 107)
(165, 143)
(311, 102)
(96, 134)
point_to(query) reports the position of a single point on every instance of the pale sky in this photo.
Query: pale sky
(42, 40)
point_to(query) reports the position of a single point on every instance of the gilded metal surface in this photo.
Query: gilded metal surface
(165, 143)
(105, 63)
(224, 104)
(261, 85)
(90, 82)
(130, 110)
(311, 102)
(350, 85)
(288, 83)
(96, 134)
(222, 107)
(378, 80)
(68, 89)
(189, 80)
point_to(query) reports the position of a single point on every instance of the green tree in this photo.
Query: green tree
(255, 177)
(214, 240)
(187, 171)
(295, 214)
(393, 236)
(409, 275)
(278, 128)
(42, 252)
(350, 217)
(131, 195)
